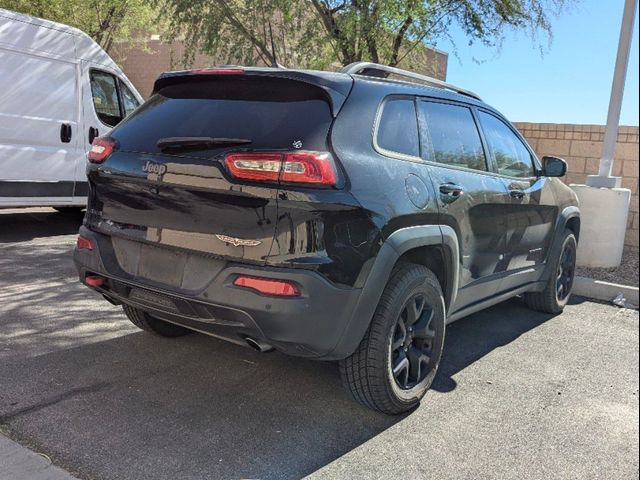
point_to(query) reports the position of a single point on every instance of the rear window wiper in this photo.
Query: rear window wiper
(198, 143)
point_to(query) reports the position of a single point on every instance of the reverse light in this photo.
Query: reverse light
(84, 243)
(303, 167)
(268, 286)
(101, 148)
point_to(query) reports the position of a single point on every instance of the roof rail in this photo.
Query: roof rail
(357, 68)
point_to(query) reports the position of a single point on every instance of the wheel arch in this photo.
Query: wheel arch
(569, 218)
(419, 244)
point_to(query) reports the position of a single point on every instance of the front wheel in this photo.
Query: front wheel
(398, 357)
(557, 291)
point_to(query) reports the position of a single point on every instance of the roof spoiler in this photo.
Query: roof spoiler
(336, 85)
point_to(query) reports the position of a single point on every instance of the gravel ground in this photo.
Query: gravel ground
(625, 274)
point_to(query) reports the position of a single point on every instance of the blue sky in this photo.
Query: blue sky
(569, 83)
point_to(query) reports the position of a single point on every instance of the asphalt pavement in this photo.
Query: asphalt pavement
(520, 395)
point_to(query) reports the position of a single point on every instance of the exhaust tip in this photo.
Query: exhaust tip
(258, 345)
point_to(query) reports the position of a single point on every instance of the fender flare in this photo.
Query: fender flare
(398, 243)
(561, 223)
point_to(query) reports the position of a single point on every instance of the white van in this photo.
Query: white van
(58, 90)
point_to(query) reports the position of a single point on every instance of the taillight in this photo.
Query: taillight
(268, 286)
(84, 243)
(101, 148)
(288, 167)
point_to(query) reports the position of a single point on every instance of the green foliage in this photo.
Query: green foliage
(103, 20)
(320, 33)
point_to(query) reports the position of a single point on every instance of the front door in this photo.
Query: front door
(471, 197)
(106, 100)
(531, 210)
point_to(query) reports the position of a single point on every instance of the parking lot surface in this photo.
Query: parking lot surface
(520, 394)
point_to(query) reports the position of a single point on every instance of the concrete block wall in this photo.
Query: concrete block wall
(581, 147)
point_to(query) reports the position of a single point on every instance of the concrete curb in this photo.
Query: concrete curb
(599, 290)
(20, 463)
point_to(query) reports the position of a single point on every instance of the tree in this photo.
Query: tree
(103, 20)
(317, 33)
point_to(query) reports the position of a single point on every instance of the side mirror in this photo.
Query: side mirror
(554, 167)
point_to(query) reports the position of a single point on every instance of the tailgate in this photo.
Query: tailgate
(183, 196)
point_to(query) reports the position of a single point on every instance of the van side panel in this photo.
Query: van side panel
(38, 98)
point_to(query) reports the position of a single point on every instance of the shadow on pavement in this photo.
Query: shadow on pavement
(471, 338)
(21, 226)
(144, 407)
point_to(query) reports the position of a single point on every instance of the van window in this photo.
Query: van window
(452, 136)
(104, 90)
(271, 113)
(511, 155)
(112, 99)
(398, 127)
(129, 101)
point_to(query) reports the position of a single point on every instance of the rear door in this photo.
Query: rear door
(471, 198)
(185, 196)
(531, 209)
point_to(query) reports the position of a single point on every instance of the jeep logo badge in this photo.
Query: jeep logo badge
(156, 168)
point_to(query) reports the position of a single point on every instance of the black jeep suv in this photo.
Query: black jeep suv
(337, 216)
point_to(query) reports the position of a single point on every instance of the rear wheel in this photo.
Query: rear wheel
(143, 320)
(398, 357)
(557, 291)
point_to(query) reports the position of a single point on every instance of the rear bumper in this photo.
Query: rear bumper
(312, 325)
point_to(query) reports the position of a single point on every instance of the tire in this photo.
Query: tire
(368, 374)
(154, 325)
(557, 291)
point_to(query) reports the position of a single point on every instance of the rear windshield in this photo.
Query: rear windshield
(272, 113)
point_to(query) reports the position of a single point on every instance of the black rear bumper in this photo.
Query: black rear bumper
(312, 325)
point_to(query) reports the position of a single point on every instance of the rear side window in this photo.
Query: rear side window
(452, 136)
(397, 130)
(272, 113)
(112, 99)
(511, 155)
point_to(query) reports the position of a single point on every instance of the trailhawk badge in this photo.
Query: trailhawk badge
(238, 242)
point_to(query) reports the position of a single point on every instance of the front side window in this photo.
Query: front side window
(511, 155)
(397, 130)
(112, 99)
(104, 90)
(452, 136)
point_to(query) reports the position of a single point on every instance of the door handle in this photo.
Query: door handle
(93, 133)
(65, 133)
(451, 190)
(516, 193)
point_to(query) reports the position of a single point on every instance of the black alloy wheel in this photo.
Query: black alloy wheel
(412, 343)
